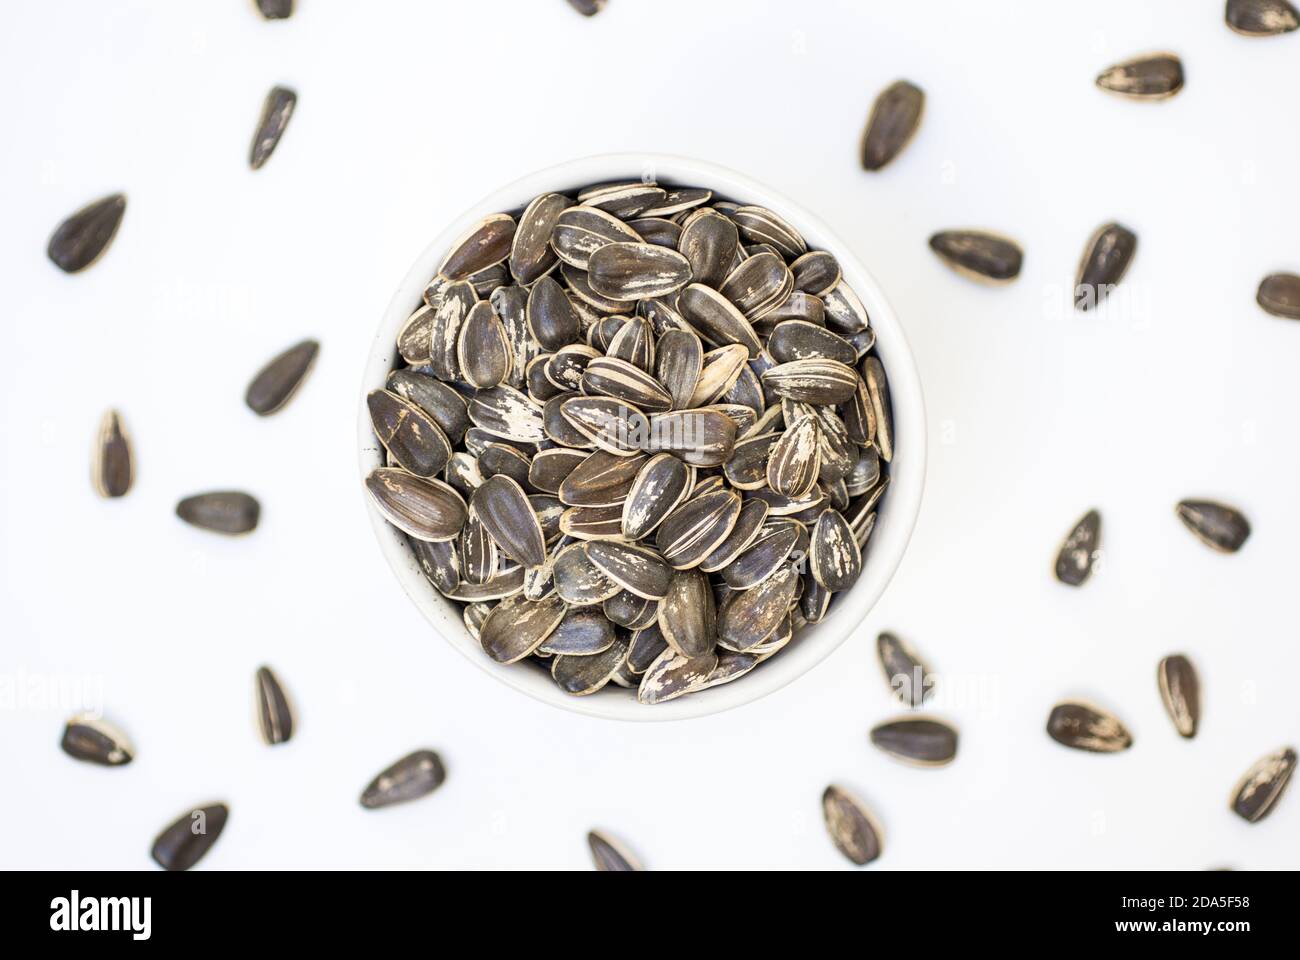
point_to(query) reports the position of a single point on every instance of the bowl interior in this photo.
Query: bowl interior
(898, 507)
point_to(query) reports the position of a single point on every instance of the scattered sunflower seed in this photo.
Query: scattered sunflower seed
(1181, 693)
(275, 9)
(186, 841)
(1155, 76)
(609, 855)
(1279, 294)
(1215, 524)
(225, 511)
(852, 829)
(90, 738)
(895, 117)
(114, 464)
(82, 239)
(277, 382)
(906, 675)
(917, 740)
(1089, 728)
(1079, 552)
(1261, 18)
(979, 255)
(1262, 786)
(1106, 259)
(276, 112)
(415, 775)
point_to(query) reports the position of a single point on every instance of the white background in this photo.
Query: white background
(408, 112)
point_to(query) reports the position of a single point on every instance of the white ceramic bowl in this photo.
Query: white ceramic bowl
(898, 509)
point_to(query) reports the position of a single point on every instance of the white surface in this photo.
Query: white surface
(895, 520)
(409, 112)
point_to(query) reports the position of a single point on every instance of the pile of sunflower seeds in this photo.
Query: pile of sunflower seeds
(640, 432)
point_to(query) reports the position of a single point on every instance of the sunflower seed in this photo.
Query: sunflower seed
(510, 303)
(416, 443)
(505, 412)
(708, 242)
(751, 615)
(424, 509)
(1215, 524)
(1105, 261)
(719, 371)
(610, 424)
(90, 738)
(583, 632)
(226, 511)
(276, 112)
(873, 375)
(1085, 727)
(895, 117)
(414, 776)
(454, 305)
(601, 479)
(698, 527)
(865, 473)
(549, 468)
(483, 349)
(716, 318)
(588, 8)
(701, 438)
(979, 255)
(578, 581)
(624, 200)
(113, 468)
(628, 610)
(439, 561)
(917, 740)
(745, 533)
(517, 626)
(1155, 76)
(502, 584)
(483, 245)
(852, 829)
(661, 483)
(815, 600)
(834, 558)
(273, 714)
(508, 516)
(478, 551)
(1081, 548)
(609, 856)
(580, 231)
(673, 675)
(795, 459)
(844, 312)
(275, 9)
(770, 547)
(758, 285)
(1262, 18)
(906, 675)
(816, 272)
(645, 646)
(761, 225)
(631, 271)
(531, 256)
(611, 377)
(1263, 785)
(475, 615)
(687, 616)
(1279, 294)
(634, 343)
(184, 842)
(81, 239)
(280, 379)
(501, 458)
(463, 473)
(816, 380)
(1180, 692)
(798, 340)
(593, 523)
(679, 358)
(637, 569)
(582, 676)
(664, 233)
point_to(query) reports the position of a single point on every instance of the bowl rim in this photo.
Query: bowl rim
(899, 508)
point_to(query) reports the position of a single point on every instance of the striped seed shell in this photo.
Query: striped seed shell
(508, 516)
(678, 200)
(610, 424)
(906, 675)
(277, 382)
(638, 569)
(578, 581)
(708, 242)
(504, 583)
(751, 615)
(478, 551)
(800, 340)
(602, 479)
(979, 255)
(464, 473)
(453, 306)
(517, 626)
(770, 547)
(761, 225)
(917, 740)
(92, 739)
(816, 272)
(795, 459)
(233, 511)
(1261, 18)
(423, 509)
(720, 370)
(895, 118)
(595, 304)
(581, 676)
(483, 245)
(661, 483)
(657, 230)
(844, 312)
(510, 303)
(416, 443)
(1279, 294)
(82, 238)
(505, 412)
(758, 285)
(276, 111)
(834, 557)
(483, 349)
(611, 377)
(1075, 560)
(696, 528)
(184, 842)
(631, 271)
(1215, 524)
(1153, 76)
(274, 715)
(1262, 786)
(865, 472)
(1085, 727)
(687, 615)
(873, 375)
(645, 646)
(504, 459)
(716, 318)
(815, 600)
(815, 380)
(851, 827)
(673, 675)
(416, 775)
(593, 523)
(113, 463)
(1180, 691)
(551, 316)
(531, 255)
(582, 230)
(624, 200)
(439, 560)
(628, 610)
(746, 468)
(474, 616)
(609, 855)
(701, 438)
(634, 343)
(582, 632)
(415, 339)
(1105, 260)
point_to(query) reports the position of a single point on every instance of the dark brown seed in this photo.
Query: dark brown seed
(844, 312)
(816, 272)
(816, 380)
(583, 632)
(673, 675)
(758, 285)
(873, 375)
(1106, 259)
(424, 509)
(1263, 785)
(439, 561)
(90, 738)
(505, 412)
(895, 117)
(581, 676)
(628, 610)
(550, 468)
(610, 424)
(531, 255)
(508, 516)
(483, 245)
(760, 225)
(917, 740)
(578, 581)
(224, 511)
(593, 523)
(979, 255)
(751, 615)
(701, 438)
(551, 316)
(483, 350)
(708, 242)
(746, 532)
(634, 343)
(1279, 294)
(716, 318)
(408, 433)
(1181, 693)
(588, 8)
(510, 303)
(113, 467)
(678, 200)
(441, 402)
(852, 829)
(184, 842)
(834, 557)
(517, 626)
(1079, 551)
(582, 230)
(656, 230)
(1085, 727)
(795, 459)
(82, 238)
(646, 645)
(478, 551)
(660, 484)
(612, 377)
(503, 584)
(1261, 18)
(623, 200)
(279, 380)
(609, 856)
(906, 675)
(631, 271)
(637, 569)
(1215, 524)
(815, 601)
(695, 529)
(414, 776)
(274, 716)
(719, 372)
(275, 9)
(798, 340)
(687, 615)
(276, 112)
(600, 480)
(1155, 76)
(768, 551)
